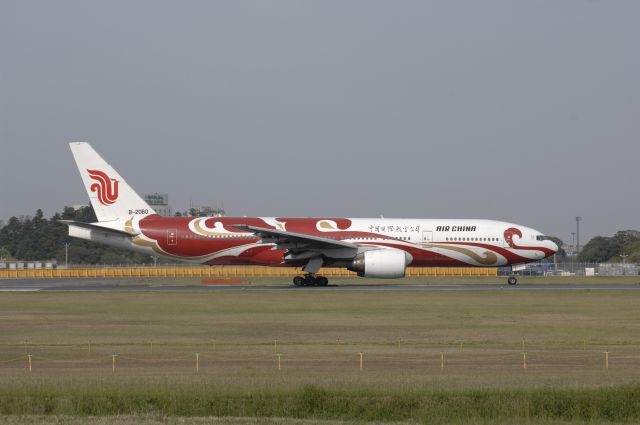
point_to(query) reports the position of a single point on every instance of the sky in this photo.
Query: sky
(524, 111)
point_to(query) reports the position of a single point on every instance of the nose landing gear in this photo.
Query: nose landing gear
(310, 279)
(512, 280)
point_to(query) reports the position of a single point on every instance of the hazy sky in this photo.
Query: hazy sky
(527, 111)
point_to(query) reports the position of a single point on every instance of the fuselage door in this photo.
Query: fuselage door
(172, 237)
(427, 236)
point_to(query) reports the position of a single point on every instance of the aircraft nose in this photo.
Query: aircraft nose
(554, 246)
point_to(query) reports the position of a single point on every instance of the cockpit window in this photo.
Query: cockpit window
(543, 238)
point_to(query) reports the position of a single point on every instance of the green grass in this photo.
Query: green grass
(426, 406)
(157, 420)
(72, 337)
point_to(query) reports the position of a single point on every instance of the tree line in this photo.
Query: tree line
(36, 238)
(604, 249)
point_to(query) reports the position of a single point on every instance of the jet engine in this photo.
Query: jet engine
(381, 263)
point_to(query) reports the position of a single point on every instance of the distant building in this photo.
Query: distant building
(203, 211)
(159, 202)
(207, 211)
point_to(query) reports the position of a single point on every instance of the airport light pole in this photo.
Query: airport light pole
(578, 220)
(624, 263)
(66, 254)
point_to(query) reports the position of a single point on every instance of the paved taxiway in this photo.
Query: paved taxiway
(148, 285)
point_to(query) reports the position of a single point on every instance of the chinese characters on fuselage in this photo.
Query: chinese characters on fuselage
(405, 229)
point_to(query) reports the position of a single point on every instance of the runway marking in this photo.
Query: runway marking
(19, 289)
(128, 285)
(236, 288)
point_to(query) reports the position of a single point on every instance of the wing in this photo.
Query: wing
(299, 243)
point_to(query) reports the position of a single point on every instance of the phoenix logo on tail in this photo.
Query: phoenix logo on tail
(106, 187)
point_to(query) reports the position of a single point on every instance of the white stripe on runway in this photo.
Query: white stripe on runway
(18, 289)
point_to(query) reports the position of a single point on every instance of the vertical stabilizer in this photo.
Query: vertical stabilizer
(111, 197)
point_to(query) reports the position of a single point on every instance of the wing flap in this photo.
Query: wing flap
(295, 241)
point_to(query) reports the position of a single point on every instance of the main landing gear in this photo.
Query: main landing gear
(512, 280)
(310, 279)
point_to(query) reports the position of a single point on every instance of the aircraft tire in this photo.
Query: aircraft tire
(322, 281)
(299, 281)
(512, 280)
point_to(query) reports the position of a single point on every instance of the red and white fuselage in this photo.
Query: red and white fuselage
(431, 242)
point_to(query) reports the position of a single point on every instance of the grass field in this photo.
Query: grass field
(404, 337)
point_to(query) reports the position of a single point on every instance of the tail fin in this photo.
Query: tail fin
(111, 197)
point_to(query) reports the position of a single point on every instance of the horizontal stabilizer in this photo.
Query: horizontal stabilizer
(92, 226)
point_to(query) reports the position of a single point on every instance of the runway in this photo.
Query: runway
(153, 285)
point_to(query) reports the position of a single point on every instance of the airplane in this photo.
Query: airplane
(371, 247)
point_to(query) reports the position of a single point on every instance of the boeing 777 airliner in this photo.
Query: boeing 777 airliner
(372, 247)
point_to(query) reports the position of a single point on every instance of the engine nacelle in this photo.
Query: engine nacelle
(381, 263)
